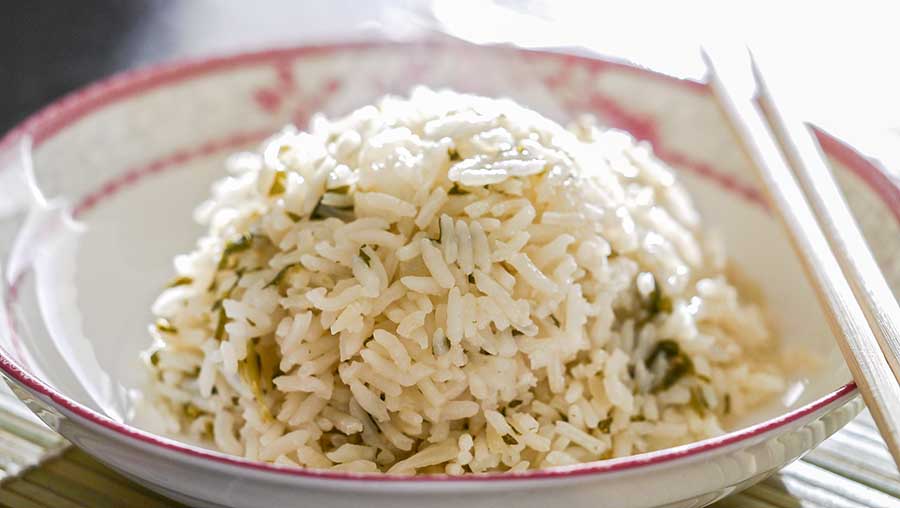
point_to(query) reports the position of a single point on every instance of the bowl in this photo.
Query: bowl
(97, 194)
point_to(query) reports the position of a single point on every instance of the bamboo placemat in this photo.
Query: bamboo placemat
(38, 469)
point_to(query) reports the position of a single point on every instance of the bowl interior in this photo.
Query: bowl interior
(133, 162)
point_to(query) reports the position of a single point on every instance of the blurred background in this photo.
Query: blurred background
(839, 58)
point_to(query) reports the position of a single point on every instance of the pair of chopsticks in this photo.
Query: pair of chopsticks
(859, 304)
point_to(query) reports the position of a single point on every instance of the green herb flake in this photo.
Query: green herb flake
(680, 364)
(191, 411)
(365, 257)
(278, 183)
(208, 431)
(510, 440)
(276, 281)
(727, 403)
(516, 332)
(294, 217)
(456, 190)
(605, 425)
(218, 303)
(668, 348)
(317, 213)
(698, 401)
(638, 418)
(555, 321)
(514, 404)
(220, 325)
(249, 369)
(154, 358)
(241, 244)
(679, 367)
(657, 302)
(180, 281)
(471, 278)
(453, 154)
(163, 326)
(323, 211)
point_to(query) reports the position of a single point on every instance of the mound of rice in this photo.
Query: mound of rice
(452, 284)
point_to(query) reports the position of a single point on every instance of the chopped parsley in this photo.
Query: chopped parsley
(698, 401)
(365, 257)
(680, 364)
(220, 325)
(191, 411)
(666, 347)
(241, 244)
(180, 281)
(276, 281)
(249, 368)
(456, 190)
(163, 326)
(278, 184)
(218, 303)
(323, 211)
(604, 425)
(657, 302)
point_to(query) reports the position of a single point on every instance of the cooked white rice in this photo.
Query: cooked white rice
(452, 284)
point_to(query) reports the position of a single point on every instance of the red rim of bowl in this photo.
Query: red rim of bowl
(67, 110)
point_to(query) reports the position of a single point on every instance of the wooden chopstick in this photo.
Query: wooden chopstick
(847, 242)
(732, 81)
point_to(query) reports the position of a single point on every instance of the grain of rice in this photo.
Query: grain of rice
(435, 263)
(424, 285)
(284, 444)
(428, 210)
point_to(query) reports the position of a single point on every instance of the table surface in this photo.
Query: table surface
(49, 50)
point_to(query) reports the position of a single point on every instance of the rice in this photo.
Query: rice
(451, 284)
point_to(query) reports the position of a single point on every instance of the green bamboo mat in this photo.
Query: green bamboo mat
(38, 469)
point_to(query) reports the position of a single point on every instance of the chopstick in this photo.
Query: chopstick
(733, 83)
(847, 242)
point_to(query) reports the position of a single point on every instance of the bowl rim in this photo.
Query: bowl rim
(51, 119)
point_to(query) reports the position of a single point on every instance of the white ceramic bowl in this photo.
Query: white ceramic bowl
(131, 156)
